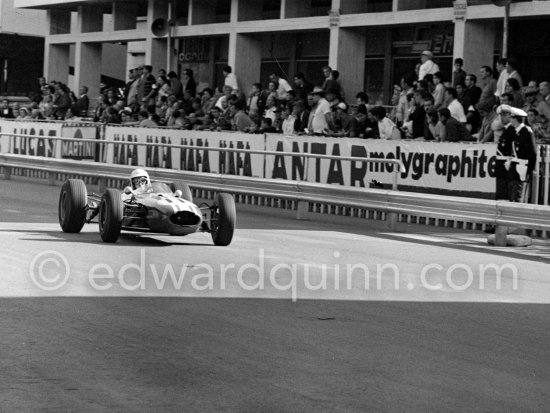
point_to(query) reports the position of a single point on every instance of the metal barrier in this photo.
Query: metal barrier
(499, 213)
(539, 186)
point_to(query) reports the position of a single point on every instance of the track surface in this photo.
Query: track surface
(137, 346)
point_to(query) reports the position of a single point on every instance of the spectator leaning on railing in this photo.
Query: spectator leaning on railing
(320, 113)
(455, 131)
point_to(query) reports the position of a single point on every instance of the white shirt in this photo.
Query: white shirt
(501, 83)
(428, 67)
(457, 111)
(288, 125)
(319, 121)
(439, 96)
(283, 89)
(219, 103)
(253, 105)
(386, 129)
(133, 91)
(403, 106)
(231, 81)
(270, 113)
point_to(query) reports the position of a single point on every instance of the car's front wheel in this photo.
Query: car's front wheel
(110, 215)
(223, 220)
(72, 205)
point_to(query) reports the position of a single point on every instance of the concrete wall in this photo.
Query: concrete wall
(21, 21)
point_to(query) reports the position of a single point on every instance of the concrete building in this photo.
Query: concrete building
(21, 48)
(371, 42)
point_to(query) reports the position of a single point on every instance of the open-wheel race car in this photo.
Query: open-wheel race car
(158, 208)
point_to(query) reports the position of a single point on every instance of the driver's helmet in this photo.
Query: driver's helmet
(139, 179)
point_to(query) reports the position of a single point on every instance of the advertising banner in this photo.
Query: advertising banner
(205, 159)
(80, 150)
(36, 145)
(435, 165)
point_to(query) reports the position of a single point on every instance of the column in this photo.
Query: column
(234, 14)
(87, 67)
(87, 56)
(158, 57)
(474, 42)
(56, 62)
(460, 9)
(334, 22)
(334, 42)
(156, 47)
(245, 58)
(232, 49)
(351, 60)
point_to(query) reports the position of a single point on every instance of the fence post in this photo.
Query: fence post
(302, 210)
(51, 178)
(501, 236)
(391, 221)
(7, 173)
(101, 184)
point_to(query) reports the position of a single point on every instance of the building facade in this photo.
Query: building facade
(372, 43)
(21, 49)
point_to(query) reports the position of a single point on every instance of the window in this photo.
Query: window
(223, 11)
(320, 7)
(271, 9)
(181, 12)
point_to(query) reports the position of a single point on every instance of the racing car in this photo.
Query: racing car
(163, 208)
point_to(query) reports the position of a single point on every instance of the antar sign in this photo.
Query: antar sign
(443, 165)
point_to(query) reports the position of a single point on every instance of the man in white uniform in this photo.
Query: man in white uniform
(428, 66)
(318, 122)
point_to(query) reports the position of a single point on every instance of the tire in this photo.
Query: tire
(224, 226)
(72, 205)
(110, 215)
(185, 190)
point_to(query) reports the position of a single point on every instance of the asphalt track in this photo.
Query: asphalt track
(130, 344)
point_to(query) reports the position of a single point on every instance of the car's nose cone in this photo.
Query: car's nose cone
(185, 218)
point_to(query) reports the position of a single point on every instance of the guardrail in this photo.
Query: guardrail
(502, 214)
(300, 163)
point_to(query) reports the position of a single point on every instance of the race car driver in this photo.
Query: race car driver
(140, 182)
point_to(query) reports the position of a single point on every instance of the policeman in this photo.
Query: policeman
(504, 151)
(523, 157)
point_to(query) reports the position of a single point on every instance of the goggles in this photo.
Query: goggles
(140, 180)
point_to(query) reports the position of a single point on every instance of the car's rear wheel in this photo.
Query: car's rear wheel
(223, 220)
(110, 215)
(185, 190)
(72, 205)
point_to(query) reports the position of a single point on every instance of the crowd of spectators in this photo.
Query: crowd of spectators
(462, 106)
(490, 106)
(427, 105)
(54, 101)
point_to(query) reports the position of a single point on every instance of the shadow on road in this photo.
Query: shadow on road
(126, 239)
